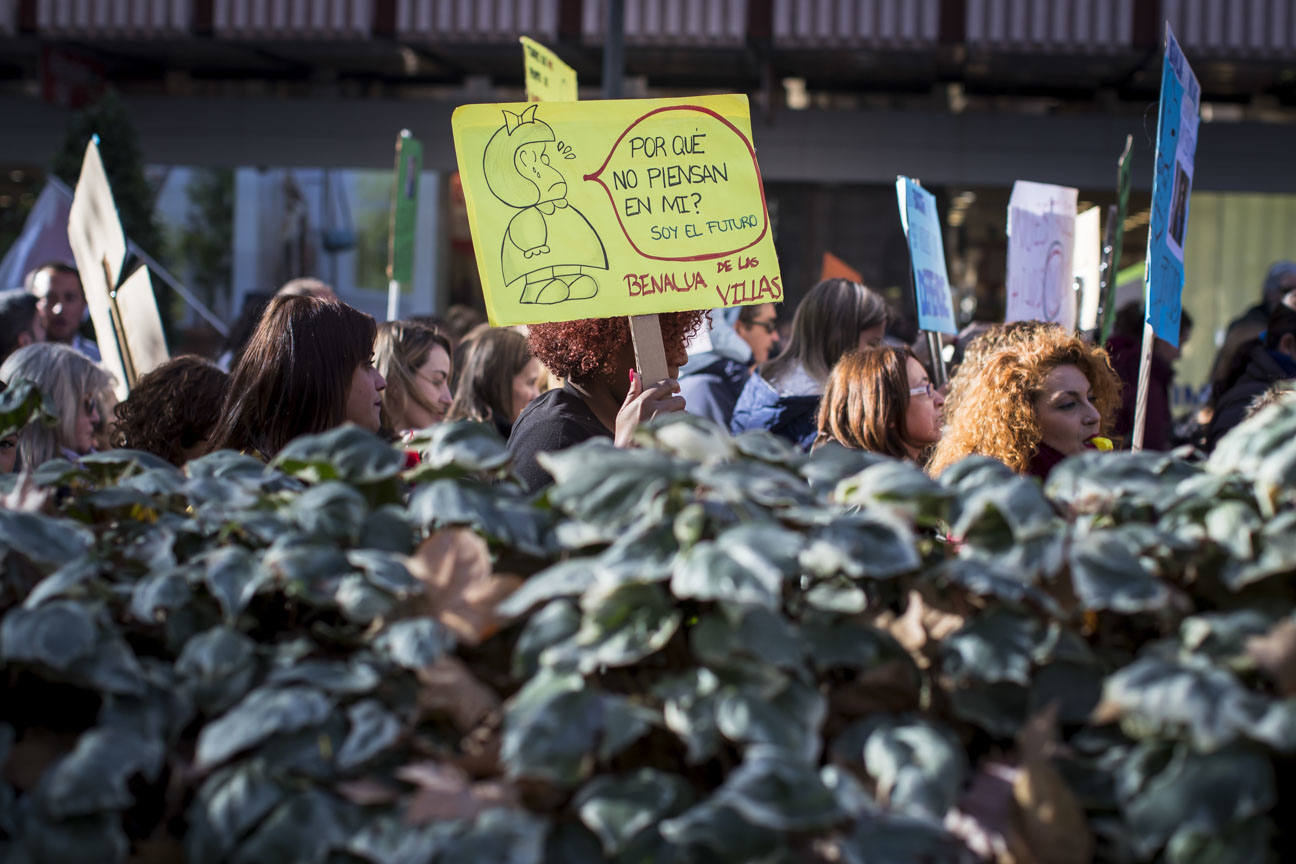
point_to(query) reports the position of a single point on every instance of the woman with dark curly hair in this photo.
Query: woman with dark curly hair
(172, 410)
(881, 400)
(602, 395)
(1043, 395)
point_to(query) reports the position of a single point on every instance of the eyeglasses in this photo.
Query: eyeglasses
(770, 325)
(925, 390)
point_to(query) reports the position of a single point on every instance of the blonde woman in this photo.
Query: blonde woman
(415, 361)
(72, 384)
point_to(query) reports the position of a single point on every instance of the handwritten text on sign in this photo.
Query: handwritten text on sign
(599, 209)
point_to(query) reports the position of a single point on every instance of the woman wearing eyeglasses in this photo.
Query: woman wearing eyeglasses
(881, 399)
(71, 384)
(415, 361)
(1043, 395)
(783, 395)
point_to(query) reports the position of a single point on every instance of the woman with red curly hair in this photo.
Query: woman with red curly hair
(601, 395)
(1031, 402)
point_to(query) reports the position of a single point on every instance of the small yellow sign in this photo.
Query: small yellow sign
(598, 209)
(548, 79)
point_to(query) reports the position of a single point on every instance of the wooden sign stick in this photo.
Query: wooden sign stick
(650, 351)
(1140, 399)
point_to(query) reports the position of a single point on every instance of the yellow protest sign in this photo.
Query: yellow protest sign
(548, 79)
(622, 207)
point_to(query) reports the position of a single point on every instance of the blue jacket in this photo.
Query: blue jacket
(760, 406)
(712, 391)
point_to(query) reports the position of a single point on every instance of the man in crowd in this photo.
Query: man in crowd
(722, 357)
(757, 326)
(61, 305)
(19, 324)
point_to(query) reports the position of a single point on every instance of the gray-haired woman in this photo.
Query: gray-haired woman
(72, 384)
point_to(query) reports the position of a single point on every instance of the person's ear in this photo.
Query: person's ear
(25, 338)
(1287, 345)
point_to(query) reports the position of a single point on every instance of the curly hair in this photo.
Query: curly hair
(991, 407)
(592, 346)
(172, 409)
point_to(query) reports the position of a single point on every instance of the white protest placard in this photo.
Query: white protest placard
(1041, 247)
(99, 246)
(138, 313)
(125, 316)
(1086, 264)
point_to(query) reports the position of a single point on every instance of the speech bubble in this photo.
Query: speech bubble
(685, 186)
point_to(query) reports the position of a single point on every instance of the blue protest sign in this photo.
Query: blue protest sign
(931, 280)
(1171, 186)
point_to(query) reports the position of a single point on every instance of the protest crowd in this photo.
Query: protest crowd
(1026, 393)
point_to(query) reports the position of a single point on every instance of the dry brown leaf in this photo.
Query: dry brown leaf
(984, 816)
(461, 591)
(446, 792)
(922, 624)
(1038, 736)
(1275, 653)
(34, 752)
(450, 689)
(367, 791)
(1051, 820)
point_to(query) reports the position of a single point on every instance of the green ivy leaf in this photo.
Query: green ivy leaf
(500, 836)
(331, 511)
(1170, 698)
(264, 712)
(772, 789)
(895, 485)
(556, 622)
(789, 719)
(619, 627)
(617, 808)
(551, 727)
(490, 511)
(44, 540)
(347, 453)
(744, 564)
(305, 827)
(228, 805)
(374, 729)
(1108, 575)
(1198, 795)
(218, 668)
(457, 447)
(22, 402)
(610, 487)
(414, 643)
(918, 766)
(894, 839)
(869, 544)
(94, 776)
(995, 647)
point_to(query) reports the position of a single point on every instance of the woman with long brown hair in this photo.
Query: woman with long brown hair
(498, 380)
(415, 361)
(881, 399)
(307, 368)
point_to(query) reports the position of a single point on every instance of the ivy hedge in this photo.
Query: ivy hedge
(704, 649)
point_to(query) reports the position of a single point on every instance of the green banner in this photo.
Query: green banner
(1112, 255)
(404, 219)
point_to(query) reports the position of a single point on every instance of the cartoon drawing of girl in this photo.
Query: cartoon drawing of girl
(548, 242)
